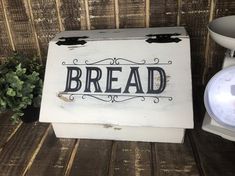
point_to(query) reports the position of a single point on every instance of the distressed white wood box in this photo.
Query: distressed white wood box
(125, 84)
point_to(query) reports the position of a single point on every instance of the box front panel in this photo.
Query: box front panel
(122, 82)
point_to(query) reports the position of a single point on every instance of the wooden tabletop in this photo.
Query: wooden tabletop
(33, 150)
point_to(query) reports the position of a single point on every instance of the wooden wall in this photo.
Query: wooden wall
(28, 25)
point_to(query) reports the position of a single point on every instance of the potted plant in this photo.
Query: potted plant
(21, 81)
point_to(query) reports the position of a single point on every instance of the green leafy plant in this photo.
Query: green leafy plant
(21, 81)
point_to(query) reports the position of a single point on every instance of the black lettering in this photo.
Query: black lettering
(134, 72)
(75, 79)
(151, 80)
(111, 79)
(95, 80)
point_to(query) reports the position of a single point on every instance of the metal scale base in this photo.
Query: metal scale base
(209, 124)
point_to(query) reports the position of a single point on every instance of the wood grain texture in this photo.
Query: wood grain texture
(17, 153)
(131, 158)
(72, 157)
(222, 8)
(20, 27)
(71, 11)
(6, 47)
(207, 43)
(116, 8)
(163, 12)
(216, 155)
(58, 5)
(175, 159)
(179, 12)
(225, 8)
(88, 22)
(92, 158)
(195, 16)
(102, 14)
(45, 21)
(7, 129)
(53, 156)
(147, 13)
(131, 13)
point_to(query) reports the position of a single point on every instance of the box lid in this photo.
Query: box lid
(120, 34)
(124, 80)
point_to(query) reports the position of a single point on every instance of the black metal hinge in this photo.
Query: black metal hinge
(163, 38)
(72, 40)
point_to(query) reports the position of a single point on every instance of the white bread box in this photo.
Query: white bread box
(120, 84)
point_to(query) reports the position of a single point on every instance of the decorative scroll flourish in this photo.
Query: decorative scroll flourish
(111, 62)
(156, 61)
(118, 61)
(111, 98)
(75, 62)
(108, 98)
(71, 97)
(116, 98)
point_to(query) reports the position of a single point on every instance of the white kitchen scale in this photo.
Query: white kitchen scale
(219, 96)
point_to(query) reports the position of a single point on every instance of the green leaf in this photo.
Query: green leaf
(20, 71)
(14, 80)
(20, 84)
(2, 103)
(16, 117)
(11, 92)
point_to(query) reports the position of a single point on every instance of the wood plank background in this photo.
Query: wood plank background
(27, 26)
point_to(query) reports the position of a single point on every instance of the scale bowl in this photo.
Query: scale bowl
(222, 31)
